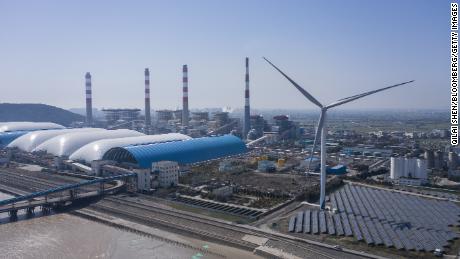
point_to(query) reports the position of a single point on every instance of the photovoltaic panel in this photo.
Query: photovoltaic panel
(338, 225)
(330, 224)
(306, 222)
(322, 222)
(299, 222)
(346, 224)
(292, 224)
(314, 222)
(356, 224)
(394, 237)
(382, 233)
(373, 231)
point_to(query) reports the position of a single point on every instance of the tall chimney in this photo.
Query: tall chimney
(185, 96)
(247, 119)
(147, 101)
(89, 101)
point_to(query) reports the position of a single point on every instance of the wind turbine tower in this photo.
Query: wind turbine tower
(321, 129)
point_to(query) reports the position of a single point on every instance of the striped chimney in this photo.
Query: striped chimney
(185, 113)
(89, 100)
(148, 122)
(247, 119)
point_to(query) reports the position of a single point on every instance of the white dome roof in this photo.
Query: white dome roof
(96, 150)
(32, 139)
(66, 144)
(24, 125)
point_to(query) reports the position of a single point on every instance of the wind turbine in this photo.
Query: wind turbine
(321, 129)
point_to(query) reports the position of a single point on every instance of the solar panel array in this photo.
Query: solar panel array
(382, 217)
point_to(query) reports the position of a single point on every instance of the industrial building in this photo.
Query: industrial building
(258, 125)
(408, 171)
(166, 173)
(31, 140)
(27, 126)
(154, 158)
(184, 152)
(66, 144)
(9, 131)
(200, 116)
(165, 115)
(92, 144)
(124, 115)
(96, 150)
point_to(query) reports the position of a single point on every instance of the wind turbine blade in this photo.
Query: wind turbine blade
(358, 96)
(303, 91)
(317, 134)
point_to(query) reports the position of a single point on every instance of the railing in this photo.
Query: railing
(64, 188)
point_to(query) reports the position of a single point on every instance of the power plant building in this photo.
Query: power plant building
(117, 115)
(165, 115)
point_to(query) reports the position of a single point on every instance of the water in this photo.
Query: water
(67, 236)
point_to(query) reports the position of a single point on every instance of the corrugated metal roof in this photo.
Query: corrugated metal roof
(95, 150)
(184, 152)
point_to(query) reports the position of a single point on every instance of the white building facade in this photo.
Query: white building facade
(143, 180)
(168, 173)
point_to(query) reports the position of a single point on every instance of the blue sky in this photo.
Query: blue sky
(332, 48)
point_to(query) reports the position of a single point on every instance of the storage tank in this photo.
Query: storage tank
(453, 160)
(429, 156)
(396, 167)
(438, 159)
(421, 169)
(410, 168)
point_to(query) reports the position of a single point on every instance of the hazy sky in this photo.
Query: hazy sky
(332, 48)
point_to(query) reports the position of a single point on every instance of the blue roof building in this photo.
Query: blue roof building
(184, 152)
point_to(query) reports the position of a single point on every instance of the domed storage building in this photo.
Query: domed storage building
(66, 144)
(28, 126)
(9, 131)
(184, 152)
(31, 140)
(96, 150)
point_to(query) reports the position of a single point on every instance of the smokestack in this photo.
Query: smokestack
(247, 119)
(147, 101)
(185, 96)
(89, 100)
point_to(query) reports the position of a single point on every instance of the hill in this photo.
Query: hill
(37, 112)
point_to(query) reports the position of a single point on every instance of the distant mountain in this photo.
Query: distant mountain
(38, 113)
